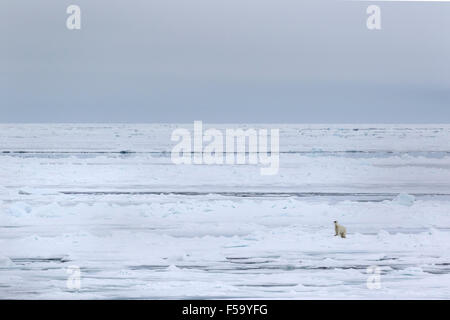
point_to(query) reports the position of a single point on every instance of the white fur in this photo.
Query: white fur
(340, 230)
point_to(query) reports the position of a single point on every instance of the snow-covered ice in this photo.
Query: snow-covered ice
(107, 199)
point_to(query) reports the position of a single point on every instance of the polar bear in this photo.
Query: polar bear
(340, 230)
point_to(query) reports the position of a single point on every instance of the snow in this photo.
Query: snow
(139, 226)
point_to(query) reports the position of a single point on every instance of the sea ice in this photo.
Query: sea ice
(405, 199)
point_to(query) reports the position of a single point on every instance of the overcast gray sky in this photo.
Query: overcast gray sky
(224, 61)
